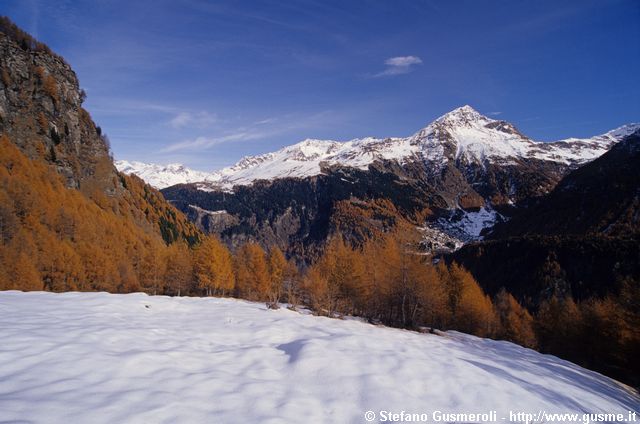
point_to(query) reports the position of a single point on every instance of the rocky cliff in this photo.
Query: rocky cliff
(41, 113)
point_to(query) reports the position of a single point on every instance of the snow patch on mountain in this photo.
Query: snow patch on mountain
(206, 211)
(466, 225)
(104, 358)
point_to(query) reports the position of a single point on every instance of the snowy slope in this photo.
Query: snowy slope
(101, 358)
(462, 134)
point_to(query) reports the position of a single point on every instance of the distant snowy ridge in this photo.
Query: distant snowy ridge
(105, 358)
(460, 135)
(161, 176)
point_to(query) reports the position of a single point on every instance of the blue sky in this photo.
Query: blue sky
(207, 82)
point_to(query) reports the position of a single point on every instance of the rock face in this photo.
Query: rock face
(41, 111)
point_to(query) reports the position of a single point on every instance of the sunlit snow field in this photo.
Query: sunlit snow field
(102, 358)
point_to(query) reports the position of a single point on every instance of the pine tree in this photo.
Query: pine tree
(319, 294)
(431, 296)
(629, 303)
(515, 323)
(152, 268)
(8, 222)
(24, 275)
(345, 270)
(558, 326)
(470, 308)
(178, 270)
(68, 272)
(224, 280)
(292, 285)
(128, 281)
(277, 273)
(603, 328)
(252, 272)
(387, 272)
(213, 267)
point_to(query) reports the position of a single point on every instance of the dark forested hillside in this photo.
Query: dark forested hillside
(298, 215)
(601, 197)
(573, 257)
(579, 240)
(535, 268)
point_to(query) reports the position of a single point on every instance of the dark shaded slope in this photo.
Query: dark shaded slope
(534, 268)
(580, 240)
(601, 197)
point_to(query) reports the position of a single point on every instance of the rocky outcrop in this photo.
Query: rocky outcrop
(41, 112)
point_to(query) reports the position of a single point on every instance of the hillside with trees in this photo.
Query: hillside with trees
(572, 258)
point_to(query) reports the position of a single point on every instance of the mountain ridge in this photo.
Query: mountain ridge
(462, 135)
(456, 177)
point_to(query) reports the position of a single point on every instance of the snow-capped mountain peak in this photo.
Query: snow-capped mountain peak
(463, 116)
(462, 135)
(465, 134)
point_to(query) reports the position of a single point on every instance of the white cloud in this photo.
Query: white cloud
(117, 106)
(399, 65)
(256, 130)
(266, 121)
(201, 119)
(403, 61)
(180, 120)
(202, 143)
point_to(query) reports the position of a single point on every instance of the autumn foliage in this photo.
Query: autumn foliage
(55, 238)
(213, 268)
(60, 239)
(387, 280)
(599, 333)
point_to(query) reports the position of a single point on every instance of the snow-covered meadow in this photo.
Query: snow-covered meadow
(103, 358)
